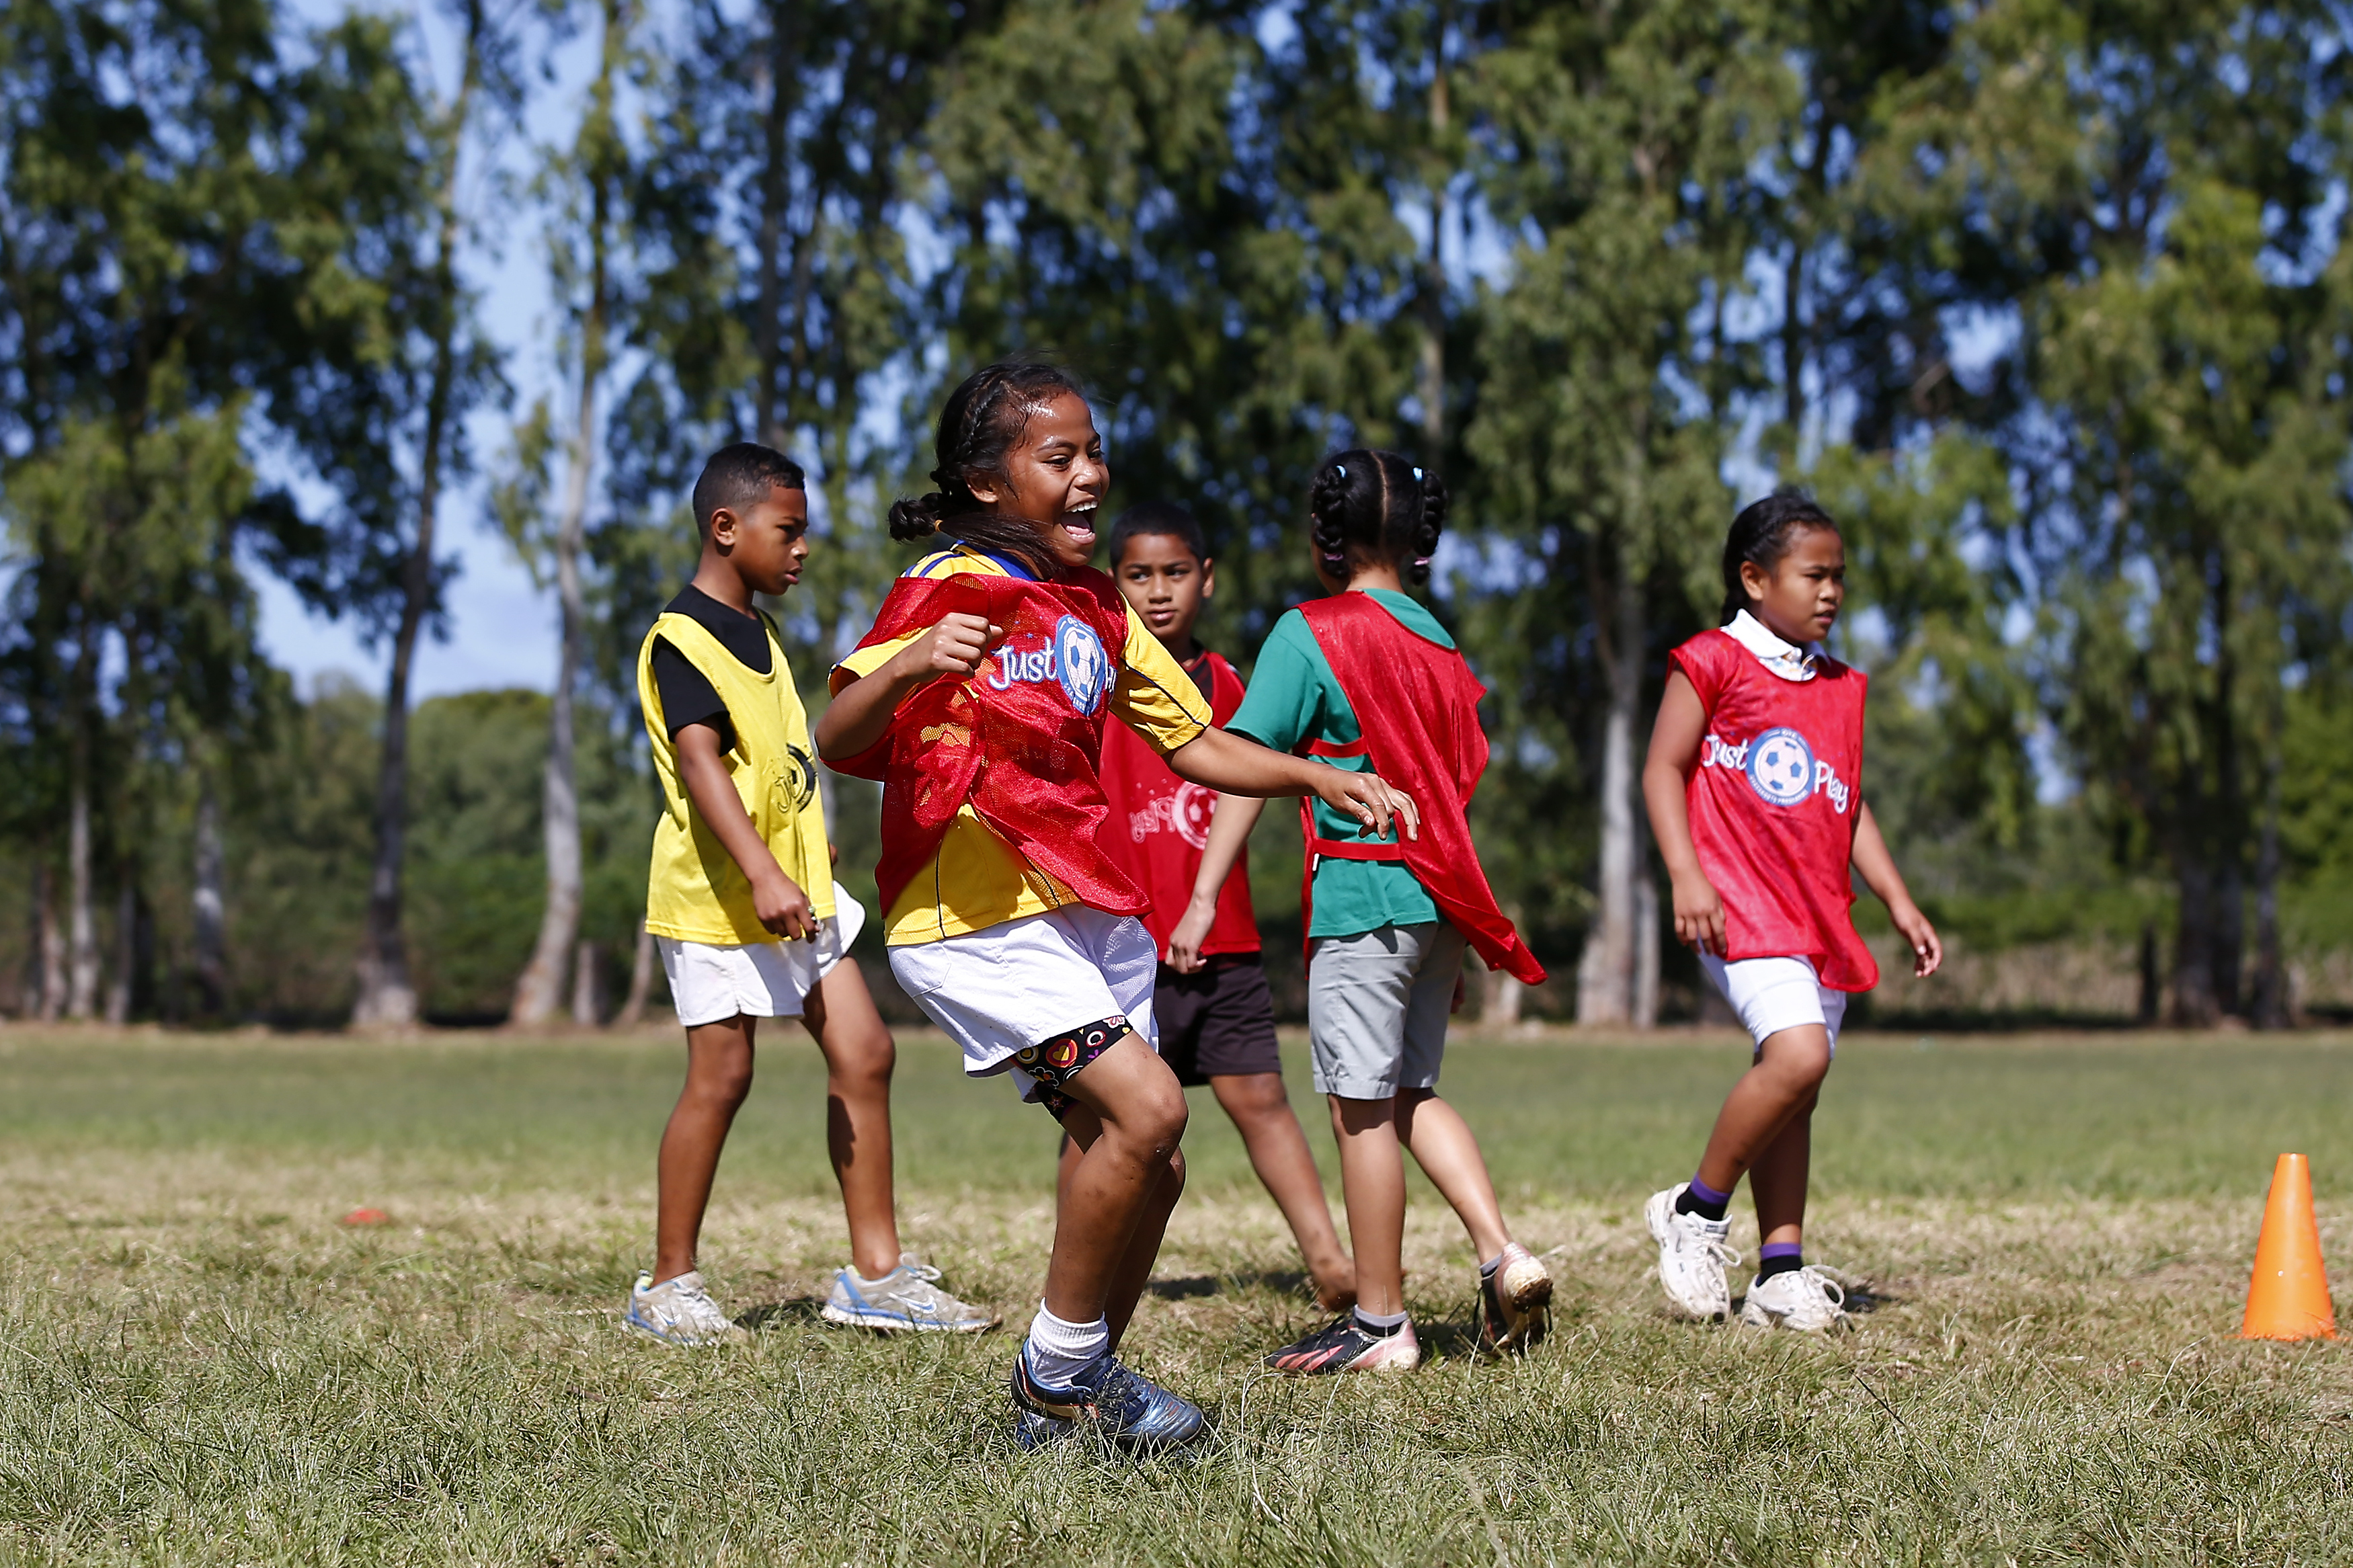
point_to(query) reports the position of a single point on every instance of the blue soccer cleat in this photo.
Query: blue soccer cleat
(1125, 1409)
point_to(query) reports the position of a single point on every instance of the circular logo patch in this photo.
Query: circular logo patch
(1189, 810)
(1781, 767)
(1079, 661)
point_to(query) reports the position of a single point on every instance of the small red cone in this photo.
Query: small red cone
(367, 1217)
(2289, 1297)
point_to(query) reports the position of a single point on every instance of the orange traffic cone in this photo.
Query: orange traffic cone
(2288, 1297)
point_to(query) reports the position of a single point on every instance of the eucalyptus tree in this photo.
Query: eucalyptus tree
(1624, 147)
(2157, 191)
(778, 298)
(391, 362)
(1202, 209)
(146, 193)
(584, 186)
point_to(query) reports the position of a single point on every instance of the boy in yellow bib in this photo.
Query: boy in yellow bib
(742, 903)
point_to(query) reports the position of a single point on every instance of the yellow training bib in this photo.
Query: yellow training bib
(695, 892)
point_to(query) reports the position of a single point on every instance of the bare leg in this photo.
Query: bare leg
(1134, 1268)
(718, 1077)
(1777, 1180)
(1448, 1156)
(1788, 1074)
(1129, 1117)
(1278, 1152)
(859, 1057)
(1372, 1182)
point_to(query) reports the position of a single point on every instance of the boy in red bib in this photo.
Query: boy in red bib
(980, 700)
(1211, 1002)
(1367, 677)
(1754, 784)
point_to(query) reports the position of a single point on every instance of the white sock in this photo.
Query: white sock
(1059, 1351)
(1379, 1323)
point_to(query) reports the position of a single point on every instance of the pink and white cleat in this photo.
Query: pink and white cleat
(1346, 1345)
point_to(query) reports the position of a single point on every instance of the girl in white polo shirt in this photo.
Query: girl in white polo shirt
(1754, 787)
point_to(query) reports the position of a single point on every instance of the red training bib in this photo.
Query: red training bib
(1020, 739)
(1159, 825)
(1774, 803)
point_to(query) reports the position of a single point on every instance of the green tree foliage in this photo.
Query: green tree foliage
(2047, 302)
(143, 181)
(2152, 192)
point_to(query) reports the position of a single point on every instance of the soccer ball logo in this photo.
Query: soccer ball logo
(1079, 660)
(1781, 767)
(1189, 810)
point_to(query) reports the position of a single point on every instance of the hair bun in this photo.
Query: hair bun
(917, 519)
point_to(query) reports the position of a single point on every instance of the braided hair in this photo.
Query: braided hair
(1369, 507)
(1760, 536)
(983, 418)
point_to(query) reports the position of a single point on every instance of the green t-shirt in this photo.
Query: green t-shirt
(1294, 698)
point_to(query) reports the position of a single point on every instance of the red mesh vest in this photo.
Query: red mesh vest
(1774, 803)
(1418, 705)
(1159, 825)
(1020, 739)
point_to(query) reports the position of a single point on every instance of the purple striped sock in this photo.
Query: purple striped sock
(1779, 1258)
(1703, 1200)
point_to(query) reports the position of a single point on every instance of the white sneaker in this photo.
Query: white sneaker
(1804, 1299)
(678, 1311)
(906, 1299)
(1691, 1257)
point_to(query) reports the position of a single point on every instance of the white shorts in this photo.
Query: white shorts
(1776, 994)
(1014, 985)
(709, 984)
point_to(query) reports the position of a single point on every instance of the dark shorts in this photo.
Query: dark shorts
(1218, 1021)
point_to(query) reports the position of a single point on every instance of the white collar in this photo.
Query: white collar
(1784, 660)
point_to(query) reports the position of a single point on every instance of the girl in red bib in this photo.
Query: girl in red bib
(980, 699)
(1368, 677)
(1754, 784)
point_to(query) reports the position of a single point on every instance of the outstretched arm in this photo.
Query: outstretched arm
(1232, 765)
(1675, 741)
(862, 705)
(1877, 869)
(1230, 829)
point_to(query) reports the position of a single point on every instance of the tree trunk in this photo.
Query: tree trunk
(126, 949)
(49, 941)
(210, 911)
(641, 981)
(559, 924)
(81, 996)
(2271, 1005)
(2230, 929)
(1646, 939)
(2195, 1003)
(588, 986)
(1609, 975)
(2151, 1005)
(1502, 996)
(386, 998)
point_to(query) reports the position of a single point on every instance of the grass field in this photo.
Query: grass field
(199, 1364)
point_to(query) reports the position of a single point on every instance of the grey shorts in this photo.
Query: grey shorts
(1377, 1008)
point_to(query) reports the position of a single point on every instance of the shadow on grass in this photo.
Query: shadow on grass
(1192, 1286)
(783, 1314)
(1863, 1296)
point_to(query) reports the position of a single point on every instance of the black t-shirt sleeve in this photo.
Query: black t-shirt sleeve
(687, 695)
